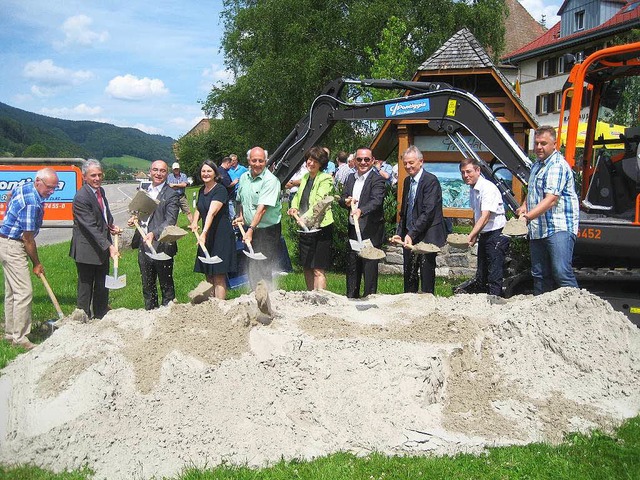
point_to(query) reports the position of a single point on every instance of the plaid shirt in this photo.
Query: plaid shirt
(553, 175)
(24, 212)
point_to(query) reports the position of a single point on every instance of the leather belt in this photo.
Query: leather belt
(9, 238)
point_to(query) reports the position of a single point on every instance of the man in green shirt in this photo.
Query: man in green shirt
(259, 210)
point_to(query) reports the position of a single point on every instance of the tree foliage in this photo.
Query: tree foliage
(282, 53)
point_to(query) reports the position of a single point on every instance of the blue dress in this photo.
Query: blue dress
(220, 240)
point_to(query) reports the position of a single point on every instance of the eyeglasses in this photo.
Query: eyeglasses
(363, 159)
(49, 187)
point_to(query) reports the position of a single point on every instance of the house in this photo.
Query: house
(201, 127)
(584, 27)
(460, 62)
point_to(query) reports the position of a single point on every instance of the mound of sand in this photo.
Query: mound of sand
(141, 394)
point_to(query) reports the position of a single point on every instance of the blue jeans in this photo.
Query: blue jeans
(551, 262)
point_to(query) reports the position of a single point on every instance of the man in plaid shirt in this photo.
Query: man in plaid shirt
(551, 211)
(22, 222)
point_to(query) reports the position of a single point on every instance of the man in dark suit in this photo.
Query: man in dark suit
(91, 245)
(165, 214)
(421, 220)
(363, 194)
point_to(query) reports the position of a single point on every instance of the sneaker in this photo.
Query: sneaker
(26, 344)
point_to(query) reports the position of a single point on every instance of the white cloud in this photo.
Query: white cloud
(148, 129)
(77, 32)
(537, 8)
(80, 111)
(130, 87)
(46, 73)
(217, 73)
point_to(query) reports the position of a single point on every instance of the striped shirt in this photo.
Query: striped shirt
(24, 212)
(553, 176)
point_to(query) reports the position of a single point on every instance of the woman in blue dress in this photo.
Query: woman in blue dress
(217, 234)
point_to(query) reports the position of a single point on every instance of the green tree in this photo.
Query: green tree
(282, 53)
(35, 150)
(111, 174)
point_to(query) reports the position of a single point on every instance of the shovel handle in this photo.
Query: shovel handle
(356, 222)
(53, 298)
(241, 228)
(300, 222)
(142, 235)
(115, 260)
(204, 249)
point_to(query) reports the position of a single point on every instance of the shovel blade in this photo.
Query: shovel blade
(356, 246)
(158, 256)
(211, 260)
(114, 283)
(255, 256)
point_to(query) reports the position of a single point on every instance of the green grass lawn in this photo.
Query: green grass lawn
(597, 456)
(127, 161)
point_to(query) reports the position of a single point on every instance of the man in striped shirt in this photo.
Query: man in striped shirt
(551, 211)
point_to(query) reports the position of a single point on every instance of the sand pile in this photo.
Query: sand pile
(140, 394)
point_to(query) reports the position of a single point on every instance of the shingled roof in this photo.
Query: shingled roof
(461, 51)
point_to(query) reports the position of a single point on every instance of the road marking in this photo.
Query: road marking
(120, 190)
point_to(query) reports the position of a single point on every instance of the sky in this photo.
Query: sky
(138, 63)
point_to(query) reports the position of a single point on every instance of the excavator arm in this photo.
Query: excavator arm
(449, 110)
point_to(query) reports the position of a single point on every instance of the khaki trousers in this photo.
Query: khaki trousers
(18, 291)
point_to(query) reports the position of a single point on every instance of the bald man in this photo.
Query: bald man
(259, 210)
(165, 214)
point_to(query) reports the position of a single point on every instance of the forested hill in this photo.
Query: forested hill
(26, 134)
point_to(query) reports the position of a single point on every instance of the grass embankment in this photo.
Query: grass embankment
(580, 457)
(129, 161)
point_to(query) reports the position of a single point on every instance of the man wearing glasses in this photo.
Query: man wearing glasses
(22, 222)
(363, 194)
(165, 214)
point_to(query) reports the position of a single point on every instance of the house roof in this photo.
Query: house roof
(626, 18)
(520, 27)
(564, 4)
(462, 50)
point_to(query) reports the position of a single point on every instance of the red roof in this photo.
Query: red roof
(629, 13)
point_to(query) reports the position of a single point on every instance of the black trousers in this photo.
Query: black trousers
(266, 241)
(92, 294)
(492, 250)
(150, 271)
(357, 267)
(419, 269)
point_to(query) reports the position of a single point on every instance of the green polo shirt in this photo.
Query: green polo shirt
(261, 190)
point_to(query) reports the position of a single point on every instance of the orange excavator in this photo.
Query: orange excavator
(605, 88)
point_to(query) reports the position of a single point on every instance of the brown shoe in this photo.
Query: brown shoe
(26, 344)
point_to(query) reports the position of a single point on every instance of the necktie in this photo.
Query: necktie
(101, 202)
(411, 202)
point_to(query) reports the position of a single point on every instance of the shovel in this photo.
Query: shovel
(305, 229)
(419, 248)
(359, 244)
(251, 254)
(115, 282)
(153, 254)
(54, 300)
(207, 258)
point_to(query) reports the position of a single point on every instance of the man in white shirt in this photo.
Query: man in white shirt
(489, 219)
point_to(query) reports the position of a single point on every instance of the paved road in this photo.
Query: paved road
(119, 196)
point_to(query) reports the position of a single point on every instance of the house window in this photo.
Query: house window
(560, 64)
(542, 103)
(579, 20)
(558, 101)
(545, 69)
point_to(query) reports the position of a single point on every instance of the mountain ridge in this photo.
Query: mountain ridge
(24, 133)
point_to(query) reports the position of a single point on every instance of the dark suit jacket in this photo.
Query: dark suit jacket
(429, 224)
(165, 214)
(370, 204)
(90, 240)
